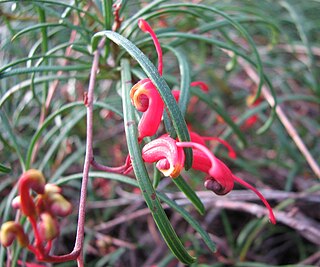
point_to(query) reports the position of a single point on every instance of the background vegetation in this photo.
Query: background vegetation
(240, 49)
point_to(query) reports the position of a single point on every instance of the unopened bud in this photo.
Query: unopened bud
(10, 231)
(48, 227)
(59, 205)
(52, 188)
(16, 202)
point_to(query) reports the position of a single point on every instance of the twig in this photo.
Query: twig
(313, 259)
(283, 118)
(307, 227)
(122, 219)
(115, 241)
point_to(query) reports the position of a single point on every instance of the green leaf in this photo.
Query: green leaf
(195, 225)
(185, 78)
(42, 26)
(204, 97)
(142, 177)
(106, 175)
(179, 123)
(26, 83)
(19, 71)
(7, 126)
(4, 169)
(190, 194)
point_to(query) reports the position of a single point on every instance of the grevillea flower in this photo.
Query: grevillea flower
(170, 161)
(145, 96)
(164, 151)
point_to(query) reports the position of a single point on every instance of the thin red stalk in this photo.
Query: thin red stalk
(89, 152)
(265, 202)
(205, 150)
(48, 247)
(120, 169)
(145, 27)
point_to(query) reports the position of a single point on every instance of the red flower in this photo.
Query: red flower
(169, 155)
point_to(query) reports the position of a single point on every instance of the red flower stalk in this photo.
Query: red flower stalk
(145, 96)
(31, 179)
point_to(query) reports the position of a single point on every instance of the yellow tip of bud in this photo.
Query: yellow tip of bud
(48, 227)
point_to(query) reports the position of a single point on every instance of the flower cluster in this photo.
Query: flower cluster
(42, 204)
(168, 153)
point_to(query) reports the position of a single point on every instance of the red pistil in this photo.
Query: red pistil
(203, 86)
(194, 137)
(145, 27)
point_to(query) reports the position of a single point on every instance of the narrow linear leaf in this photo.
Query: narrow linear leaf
(4, 169)
(46, 25)
(25, 84)
(61, 110)
(185, 78)
(142, 177)
(221, 112)
(71, 122)
(190, 194)
(6, 125)
(106, 175)
(19, 71)
(186, 215)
